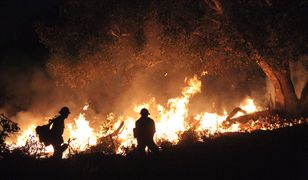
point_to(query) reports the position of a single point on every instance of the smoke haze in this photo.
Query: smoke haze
(125, 78)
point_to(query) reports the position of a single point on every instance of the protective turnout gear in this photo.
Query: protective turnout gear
(144, 132)
(51, 133)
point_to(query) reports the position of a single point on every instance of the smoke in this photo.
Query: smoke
(223, 92)
(270, 94)
(299, 74)
(124, 80)
(299, 77)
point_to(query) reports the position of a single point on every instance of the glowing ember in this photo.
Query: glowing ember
(210, 122)
(85, 107)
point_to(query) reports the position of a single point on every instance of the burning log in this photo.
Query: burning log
(247, 117)
(118, 130)
(234, 112)
(106, 143)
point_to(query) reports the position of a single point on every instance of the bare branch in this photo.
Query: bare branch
(215, 5)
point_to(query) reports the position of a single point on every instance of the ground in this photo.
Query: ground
(277, 154)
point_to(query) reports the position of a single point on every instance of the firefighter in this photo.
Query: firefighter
(144, 132)
(56, 131)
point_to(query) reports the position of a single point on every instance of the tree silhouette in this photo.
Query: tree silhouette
(7, 127)
(123, 37)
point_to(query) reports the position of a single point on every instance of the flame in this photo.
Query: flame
(171, 120)
(85, 107)
(249, 106)
(210, 121)
(21, 140)
(27, 135)
(81, 133)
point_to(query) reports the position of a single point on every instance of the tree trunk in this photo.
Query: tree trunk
(268, 70)
(304, 100)
(285, 97)
(291, 101)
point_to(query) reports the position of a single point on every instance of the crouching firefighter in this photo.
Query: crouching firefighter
(52, 133)
(144, 132)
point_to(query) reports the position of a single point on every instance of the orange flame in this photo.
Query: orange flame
(81, 133)
(170, 122)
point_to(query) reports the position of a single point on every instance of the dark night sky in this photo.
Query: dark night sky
(18, 40)
(20, 50)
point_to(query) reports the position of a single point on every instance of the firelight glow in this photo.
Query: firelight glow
(171, 120)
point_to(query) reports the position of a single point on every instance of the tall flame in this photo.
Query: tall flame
(81, 133)
(170, 120)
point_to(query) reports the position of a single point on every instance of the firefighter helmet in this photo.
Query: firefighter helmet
(64, 110)
(144, 111)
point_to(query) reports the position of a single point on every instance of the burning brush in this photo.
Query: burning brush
(173, 123)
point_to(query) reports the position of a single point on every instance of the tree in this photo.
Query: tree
(93, 31)
(271, 33)
(7, 127)
(204, 34)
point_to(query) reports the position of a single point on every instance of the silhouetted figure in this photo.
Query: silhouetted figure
(56, 131)
(144, 132)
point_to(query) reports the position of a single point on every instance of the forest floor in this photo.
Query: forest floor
(276, 154)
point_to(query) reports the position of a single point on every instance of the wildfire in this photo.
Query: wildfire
(171, 120)
(25, 135)
(81, 133)
(28, 138)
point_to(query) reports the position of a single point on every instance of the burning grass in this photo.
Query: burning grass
(174, 125)
(276, 154)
